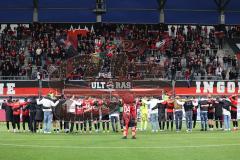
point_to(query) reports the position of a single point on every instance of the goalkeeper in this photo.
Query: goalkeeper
(144, 116)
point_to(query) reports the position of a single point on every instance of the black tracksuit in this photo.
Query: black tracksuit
(32, 106)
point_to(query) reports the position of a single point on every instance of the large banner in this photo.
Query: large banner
(197, 88)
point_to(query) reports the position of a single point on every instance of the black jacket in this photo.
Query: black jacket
(188, 106)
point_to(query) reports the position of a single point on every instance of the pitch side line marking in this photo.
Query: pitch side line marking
(102, 147)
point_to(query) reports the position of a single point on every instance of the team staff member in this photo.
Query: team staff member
(32, 107)
(161, 114)
(47, 110)
(218, 106)
(234, 101)
(226, 113)
(188, 107)
(204, 104)
(178, 108)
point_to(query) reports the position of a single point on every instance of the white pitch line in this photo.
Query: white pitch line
(116, 147)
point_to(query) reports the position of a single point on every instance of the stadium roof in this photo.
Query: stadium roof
(123, 11)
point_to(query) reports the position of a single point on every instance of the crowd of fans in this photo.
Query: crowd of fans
(165, 52)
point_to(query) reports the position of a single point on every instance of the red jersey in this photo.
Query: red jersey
(96, 107)
(26, 111)
(105, 109)
(79, 110)
(234, 103)
(87, 108)
(16, 108)
(129, 110)
(170, 107)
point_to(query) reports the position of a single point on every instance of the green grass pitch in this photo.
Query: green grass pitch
(212, 145)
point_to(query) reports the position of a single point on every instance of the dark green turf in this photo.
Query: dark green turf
(214, 145)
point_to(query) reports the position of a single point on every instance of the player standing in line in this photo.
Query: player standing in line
(194, 116)
(161, 114)
(96, 114)
(120, 107)
(79, 112)
(87, 106)
(226, 113)
(144, 116)
(25, 115)
(16, 105)
(129, 115)
(170, 118)
(105, 114)
(218, 106)
(188, 107)
(8, 111)
(178, 108)
(211, 112)
(204, 104)
(234, 101)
